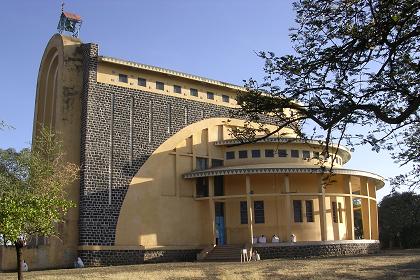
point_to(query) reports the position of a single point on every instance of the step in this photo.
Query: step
(225, 253)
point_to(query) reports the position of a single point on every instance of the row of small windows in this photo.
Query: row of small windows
(122, 78)
(269, 153)
(258, 212)
(298, 213)
(337, 218)
(337, 213)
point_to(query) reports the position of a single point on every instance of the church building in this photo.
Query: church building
(163, 179)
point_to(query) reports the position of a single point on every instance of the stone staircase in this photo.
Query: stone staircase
(225, 253)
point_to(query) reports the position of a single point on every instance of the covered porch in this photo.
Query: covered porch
(286, 201)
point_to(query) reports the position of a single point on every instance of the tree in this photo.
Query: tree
(399, 219)
(356, 64)
(32, 196)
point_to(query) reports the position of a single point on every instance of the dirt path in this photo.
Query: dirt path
(387, 265)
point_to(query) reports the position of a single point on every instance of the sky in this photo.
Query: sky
(216, 39)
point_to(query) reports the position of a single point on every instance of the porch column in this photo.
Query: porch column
(212, 211)
(366, 219)
(349, 208)
(288, 207)
(374, 214)
(322, 210)
(250, 208)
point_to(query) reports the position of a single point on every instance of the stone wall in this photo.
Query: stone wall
(121, 128)
(317, 250)
(128, 257)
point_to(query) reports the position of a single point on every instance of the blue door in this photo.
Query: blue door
(220, 223)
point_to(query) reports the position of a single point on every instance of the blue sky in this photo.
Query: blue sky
(211, 38)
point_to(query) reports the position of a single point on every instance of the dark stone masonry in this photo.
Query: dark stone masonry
(128, 257)
(299, 251)
(121, 128)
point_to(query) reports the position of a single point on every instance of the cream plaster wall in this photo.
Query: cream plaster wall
(109, 73)
(57, 105)
(159, 208)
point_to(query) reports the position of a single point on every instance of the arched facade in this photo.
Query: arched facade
(215, 192)
(57, 106)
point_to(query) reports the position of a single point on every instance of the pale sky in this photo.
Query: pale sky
(211, 38)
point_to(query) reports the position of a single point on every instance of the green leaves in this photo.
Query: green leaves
(355, 65)
(32, 188)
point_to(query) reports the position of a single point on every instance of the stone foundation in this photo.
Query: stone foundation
(128, 257)
(317, 249)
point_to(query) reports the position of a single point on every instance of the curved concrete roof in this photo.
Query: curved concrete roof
(280, 169)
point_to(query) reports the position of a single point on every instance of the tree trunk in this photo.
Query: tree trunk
(19, 246)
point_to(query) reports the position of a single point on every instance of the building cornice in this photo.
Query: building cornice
(170, 72)
(244, 170)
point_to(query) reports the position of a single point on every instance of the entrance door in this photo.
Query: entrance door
(220, 223)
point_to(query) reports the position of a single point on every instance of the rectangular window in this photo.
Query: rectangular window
(297, 211)
(218, 186)
(316, 155)
(202, 187)
(141, 82)
(259, 212)
(334, 212)
(177, 89)
(244, 213)
(294, 153)
(193, 92)
(309, 211)
(225, 98)
(269, 153)
(123, 78)
(230, 155)
(282, 153)
(256, 153)
(306, 154)
(160, 85)
(210, 95)
(243, 154)
(340, 213)
(201, 163)
(216, 162)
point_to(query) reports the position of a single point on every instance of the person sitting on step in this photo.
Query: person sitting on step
(262, 239)
(275, 239)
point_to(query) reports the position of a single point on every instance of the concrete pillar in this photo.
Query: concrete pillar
(212, 211)
(322, 210)
(349, 208)
(288, 206)
(250, 208)
(366, 219)
(375, 222)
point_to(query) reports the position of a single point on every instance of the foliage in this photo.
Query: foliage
(399, 219)
(356, 64)
(32, 195)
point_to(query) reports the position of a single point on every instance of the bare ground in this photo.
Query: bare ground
(403, 264)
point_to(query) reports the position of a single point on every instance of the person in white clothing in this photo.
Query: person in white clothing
(25, 266)
(257, 255)
(262, 239)
(275, 239)
(79, 263)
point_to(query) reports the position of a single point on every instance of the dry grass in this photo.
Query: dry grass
(387, 265)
